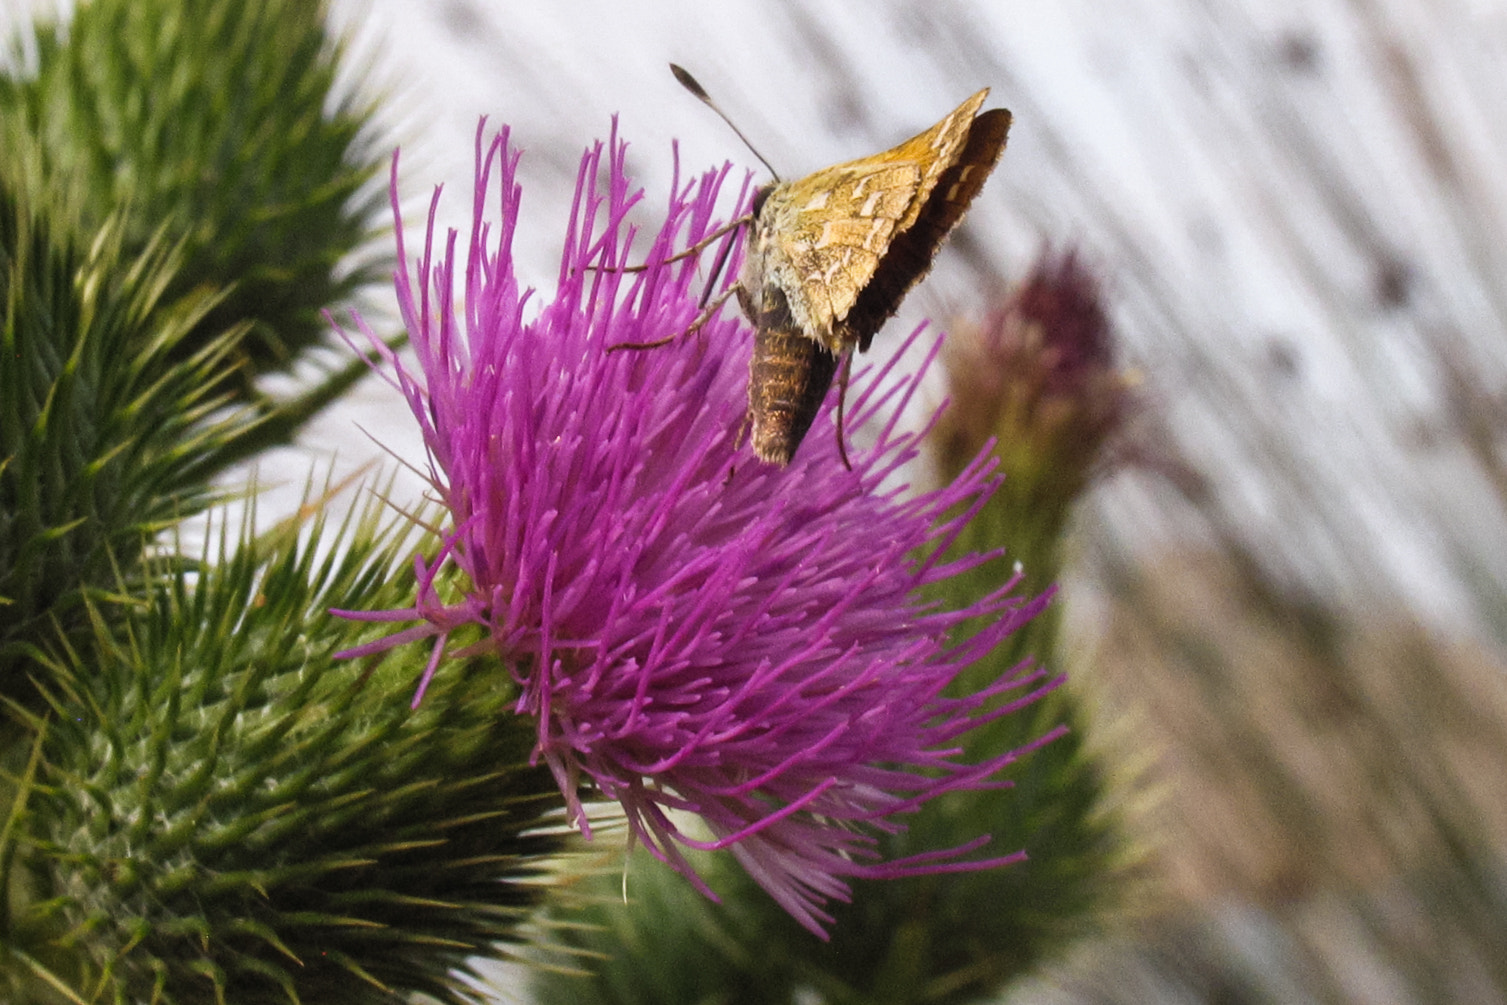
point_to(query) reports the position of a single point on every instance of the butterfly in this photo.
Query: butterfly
(831, 255)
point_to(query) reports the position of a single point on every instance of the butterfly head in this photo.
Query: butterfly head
(760, 198)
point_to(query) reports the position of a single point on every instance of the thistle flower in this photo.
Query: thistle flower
(1038, 375)
(695, 632)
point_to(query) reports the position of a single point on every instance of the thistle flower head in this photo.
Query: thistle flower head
(1038, 375)
(696, 633)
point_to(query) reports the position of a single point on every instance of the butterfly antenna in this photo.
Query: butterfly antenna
(690, 84)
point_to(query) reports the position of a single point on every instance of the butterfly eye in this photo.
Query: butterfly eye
(760, 197)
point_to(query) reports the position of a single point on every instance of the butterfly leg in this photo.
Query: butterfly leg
(701, 319)
(738, 438)
(718, 264)
(693, 250)
(842, 398)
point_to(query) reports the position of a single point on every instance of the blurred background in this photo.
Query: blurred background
(1288, 596)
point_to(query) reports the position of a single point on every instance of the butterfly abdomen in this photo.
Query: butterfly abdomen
(788, 378)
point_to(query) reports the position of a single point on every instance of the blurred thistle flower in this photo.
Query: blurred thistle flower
(1039, 376)
(695, 632)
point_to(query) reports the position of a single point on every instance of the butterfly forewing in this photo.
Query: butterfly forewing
(828, 252)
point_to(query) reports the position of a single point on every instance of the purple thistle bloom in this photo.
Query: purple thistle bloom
(694, 631)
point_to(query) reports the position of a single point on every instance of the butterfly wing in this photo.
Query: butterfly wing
(823, 238)
(913, 250)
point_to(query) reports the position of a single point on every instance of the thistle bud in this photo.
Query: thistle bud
(1038, 375)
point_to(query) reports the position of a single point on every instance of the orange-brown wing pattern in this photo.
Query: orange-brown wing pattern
(831, 256)
(826, 237)
(911, 253)
(822, 238)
